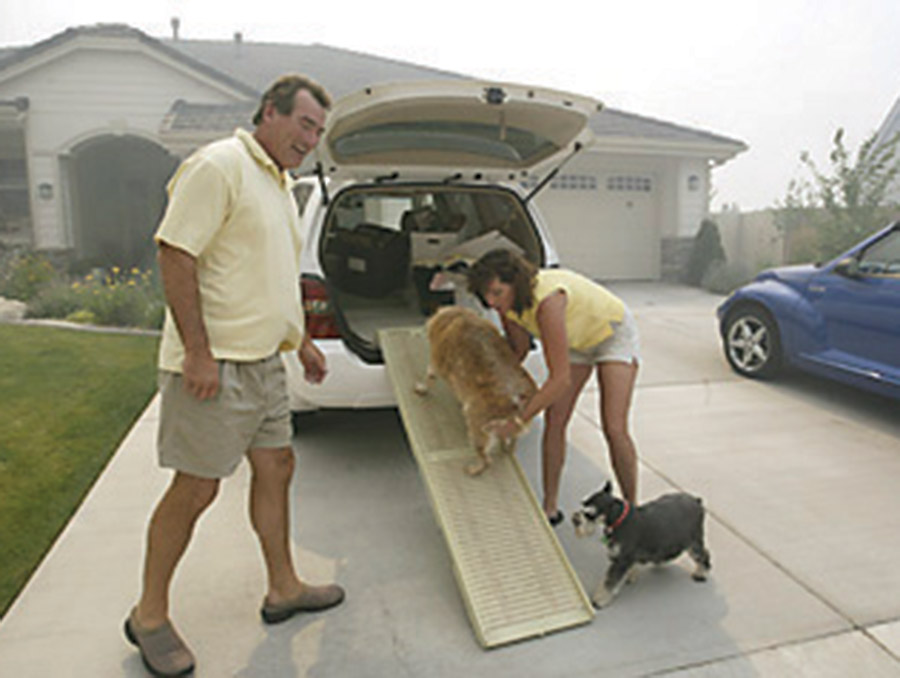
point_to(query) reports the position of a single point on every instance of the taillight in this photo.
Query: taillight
(319, 314)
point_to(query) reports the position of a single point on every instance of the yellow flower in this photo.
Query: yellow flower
(76, 285)
(115, 270)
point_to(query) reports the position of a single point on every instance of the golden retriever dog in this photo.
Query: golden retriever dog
(472, 356)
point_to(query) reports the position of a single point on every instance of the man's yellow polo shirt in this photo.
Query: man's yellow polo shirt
(232, 208)
(590, 308)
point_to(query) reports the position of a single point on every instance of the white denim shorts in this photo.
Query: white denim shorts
(208, 438)
(623, 346)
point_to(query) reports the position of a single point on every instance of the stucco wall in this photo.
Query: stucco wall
(693, 196)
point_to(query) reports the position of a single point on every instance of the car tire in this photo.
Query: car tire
(752, 343)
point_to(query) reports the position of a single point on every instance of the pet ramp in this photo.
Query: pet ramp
(514, 577)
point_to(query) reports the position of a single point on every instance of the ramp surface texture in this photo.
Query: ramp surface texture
(514, 577)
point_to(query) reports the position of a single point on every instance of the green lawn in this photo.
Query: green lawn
(67, 398)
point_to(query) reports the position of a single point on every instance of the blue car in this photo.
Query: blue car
(840, 320)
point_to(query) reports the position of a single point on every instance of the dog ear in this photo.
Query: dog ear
(608, 487)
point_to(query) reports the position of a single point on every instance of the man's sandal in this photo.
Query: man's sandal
(163, 651)
(313, 599)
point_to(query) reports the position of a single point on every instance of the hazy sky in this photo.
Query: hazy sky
(780, 75)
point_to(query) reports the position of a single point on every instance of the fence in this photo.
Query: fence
(751, 239)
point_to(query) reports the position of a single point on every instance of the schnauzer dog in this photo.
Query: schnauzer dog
(653, 533)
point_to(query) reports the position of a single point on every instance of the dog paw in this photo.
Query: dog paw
(476, 468)
(600, 603)
(701, 569)
(421, 388)
(601, 598)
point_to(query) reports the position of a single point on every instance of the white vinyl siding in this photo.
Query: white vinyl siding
(82, 90)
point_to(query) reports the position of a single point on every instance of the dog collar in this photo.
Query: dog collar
(621, 519)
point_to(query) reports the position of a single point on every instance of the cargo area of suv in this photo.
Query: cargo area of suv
(410, 180)
(381, 247)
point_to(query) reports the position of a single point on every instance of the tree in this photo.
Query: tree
(706, 251)
(840, 207)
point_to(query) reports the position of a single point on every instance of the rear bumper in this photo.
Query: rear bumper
(353, 384)
(349, 383)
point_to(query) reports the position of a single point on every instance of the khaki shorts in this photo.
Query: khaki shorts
(623, 346)
(209, 438)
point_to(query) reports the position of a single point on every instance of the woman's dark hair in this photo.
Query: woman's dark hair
(507, 267)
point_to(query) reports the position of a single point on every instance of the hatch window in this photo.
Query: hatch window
(498, 146)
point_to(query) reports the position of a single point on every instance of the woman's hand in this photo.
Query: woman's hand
(505, 429)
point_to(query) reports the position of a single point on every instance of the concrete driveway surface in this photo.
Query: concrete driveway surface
(800, 480)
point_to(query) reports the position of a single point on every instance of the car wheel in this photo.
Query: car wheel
(752, 344)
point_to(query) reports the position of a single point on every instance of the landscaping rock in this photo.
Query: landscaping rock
(10, 309)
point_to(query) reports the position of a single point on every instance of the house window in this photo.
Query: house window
(15, 208)
(15, 203)
(693, 183)
(629, 183)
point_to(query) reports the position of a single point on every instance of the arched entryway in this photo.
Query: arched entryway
(117, 197)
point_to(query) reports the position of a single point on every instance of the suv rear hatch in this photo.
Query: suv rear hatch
(429, 175)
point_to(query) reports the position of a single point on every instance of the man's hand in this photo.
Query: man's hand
(200, 373)
(313, 361)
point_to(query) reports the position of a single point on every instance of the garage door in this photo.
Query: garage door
(606, 225)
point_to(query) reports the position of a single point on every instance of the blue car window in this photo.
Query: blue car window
(883, 257)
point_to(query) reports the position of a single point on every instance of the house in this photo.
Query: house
(93, 121)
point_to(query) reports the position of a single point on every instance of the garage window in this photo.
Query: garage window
(568, 182)
(629, 183)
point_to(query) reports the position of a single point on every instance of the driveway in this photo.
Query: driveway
(800, 480)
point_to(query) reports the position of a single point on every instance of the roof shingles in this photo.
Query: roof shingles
(250, 67)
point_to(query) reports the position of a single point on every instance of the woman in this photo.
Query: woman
(583, 328)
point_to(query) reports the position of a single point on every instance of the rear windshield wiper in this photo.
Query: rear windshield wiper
(552, 175)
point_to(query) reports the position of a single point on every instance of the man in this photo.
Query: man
(229, 247)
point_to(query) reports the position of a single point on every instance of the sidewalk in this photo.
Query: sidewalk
(800, 486)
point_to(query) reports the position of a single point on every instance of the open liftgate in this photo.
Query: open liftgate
(514, 577)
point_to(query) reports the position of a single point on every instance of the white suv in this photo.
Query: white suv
(411, 179)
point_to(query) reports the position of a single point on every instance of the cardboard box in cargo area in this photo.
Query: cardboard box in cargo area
(445, 249)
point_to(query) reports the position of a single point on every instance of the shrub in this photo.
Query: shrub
(26, 275)
(722, 277)
(56, 301)
(83, 317)
(115, 297)
(123, 299)
(706, 250)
